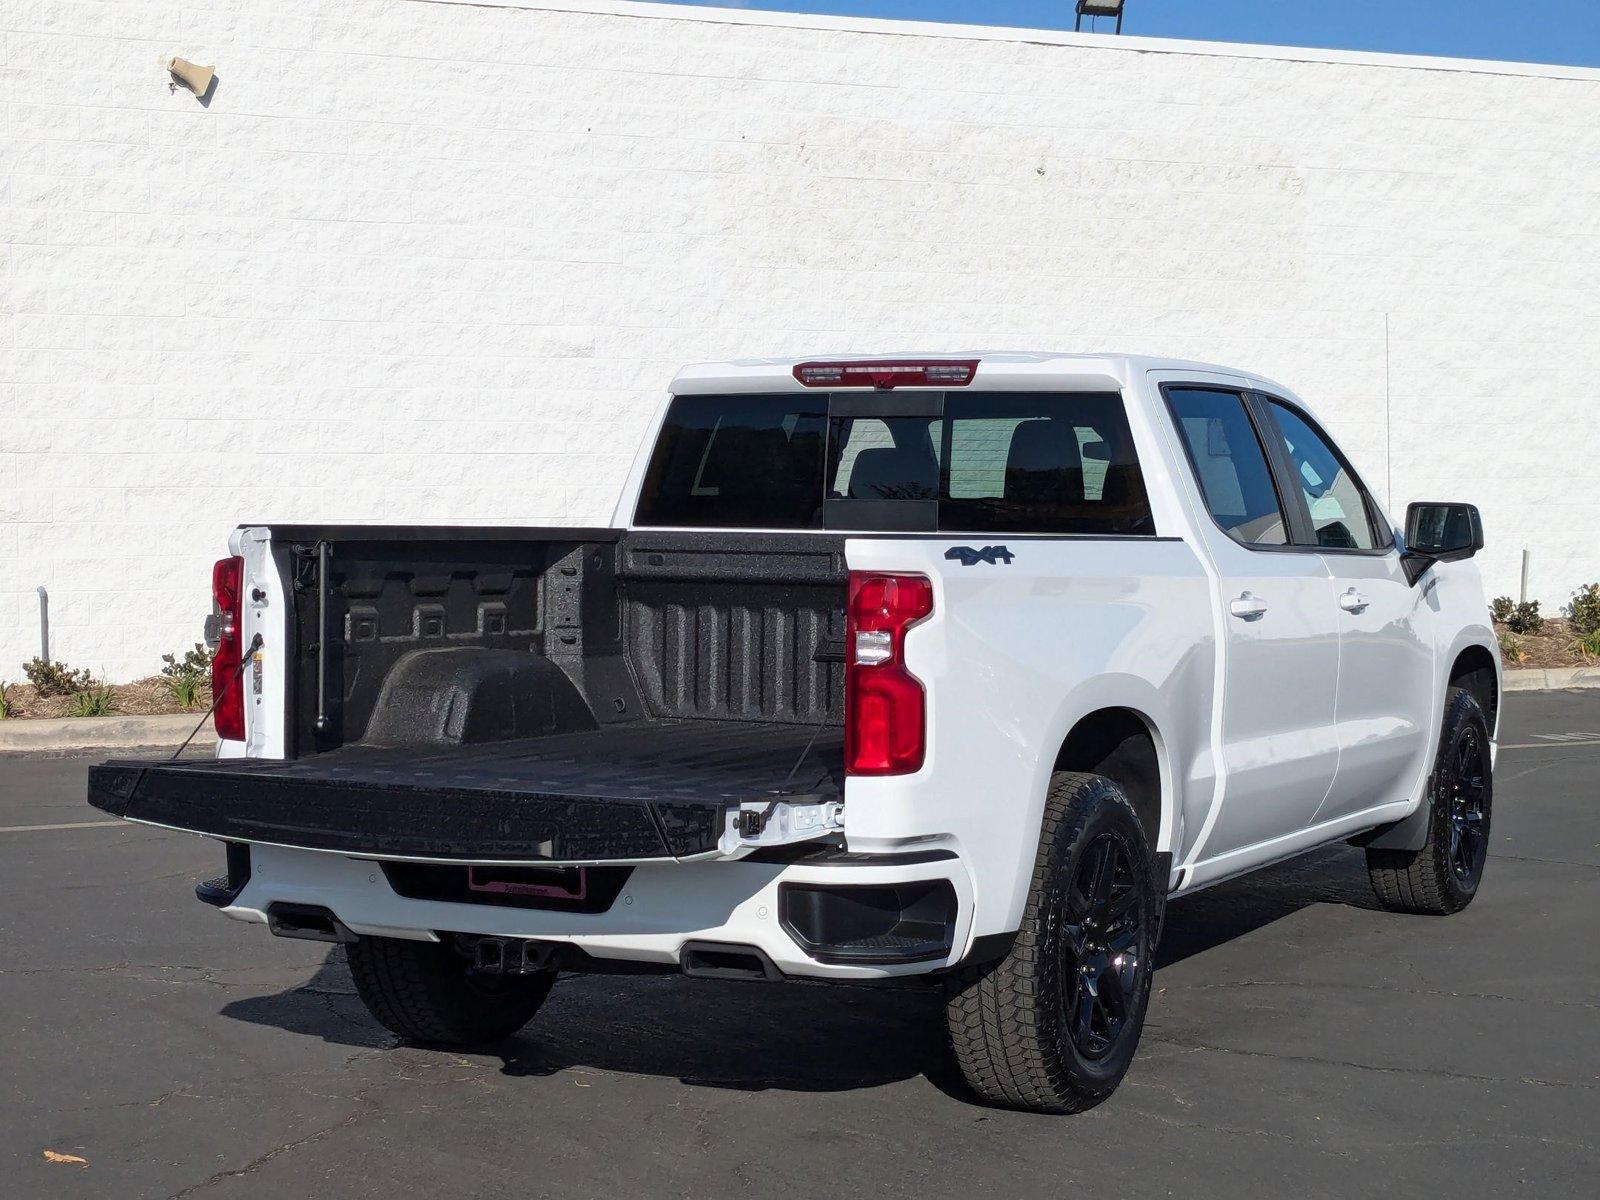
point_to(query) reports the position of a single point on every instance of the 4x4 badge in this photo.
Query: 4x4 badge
(968, 557)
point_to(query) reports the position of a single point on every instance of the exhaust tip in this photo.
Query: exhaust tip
(726, 960)
(307, 923)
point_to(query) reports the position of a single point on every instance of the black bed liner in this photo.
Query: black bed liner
(630, 792)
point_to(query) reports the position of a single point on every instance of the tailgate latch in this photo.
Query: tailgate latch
(779, 822)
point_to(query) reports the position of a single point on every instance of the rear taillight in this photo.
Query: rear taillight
(227, 580)
(885, 710)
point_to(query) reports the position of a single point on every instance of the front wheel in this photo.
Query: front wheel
(1443, 876)
(427, 992)
(1053, 1026)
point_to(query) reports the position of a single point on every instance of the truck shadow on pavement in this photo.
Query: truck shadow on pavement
(798, 1037)
(1229, 911)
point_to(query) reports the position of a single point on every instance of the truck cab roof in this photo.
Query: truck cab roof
(1006, 370)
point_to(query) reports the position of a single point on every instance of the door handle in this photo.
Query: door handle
(1353, 601)
(1247, 607)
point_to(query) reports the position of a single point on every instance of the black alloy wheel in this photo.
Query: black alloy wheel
(1100, 959)
(1468, 827)
(1442, 874)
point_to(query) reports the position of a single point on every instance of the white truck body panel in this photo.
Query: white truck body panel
(1293, 696)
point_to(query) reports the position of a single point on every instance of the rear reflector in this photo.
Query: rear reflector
(227, 579)
(885, 727)
(888, 374)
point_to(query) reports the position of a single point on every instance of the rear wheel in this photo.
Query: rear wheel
(427, 992)
(1053, 1026)
(1443, 876)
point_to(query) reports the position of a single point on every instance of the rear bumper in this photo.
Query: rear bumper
(661, 908)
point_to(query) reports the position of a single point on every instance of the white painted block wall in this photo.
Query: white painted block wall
(427, 261)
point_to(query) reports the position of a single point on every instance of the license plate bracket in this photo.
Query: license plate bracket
(550, 883)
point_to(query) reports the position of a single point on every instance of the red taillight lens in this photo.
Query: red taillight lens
(227, 578)
(888, 374)
(885, 710)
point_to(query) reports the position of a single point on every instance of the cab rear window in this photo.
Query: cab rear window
(979, 462)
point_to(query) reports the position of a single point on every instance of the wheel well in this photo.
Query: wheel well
(1118, 743)
(1473, 671)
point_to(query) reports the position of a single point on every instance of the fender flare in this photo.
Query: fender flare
(1411, 832)
(1144, 700)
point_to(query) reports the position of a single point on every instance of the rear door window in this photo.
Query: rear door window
(1230, 463)
(992, 462)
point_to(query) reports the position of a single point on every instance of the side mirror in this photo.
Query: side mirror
(1438, 532)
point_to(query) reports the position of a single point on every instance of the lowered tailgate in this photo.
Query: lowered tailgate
(668, 790)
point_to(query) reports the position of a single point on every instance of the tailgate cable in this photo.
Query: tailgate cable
(751, 822)
(244, 661)
(822, 654)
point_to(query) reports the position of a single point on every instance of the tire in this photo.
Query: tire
(1443, 876)
(427, 992)
(1017, 1026)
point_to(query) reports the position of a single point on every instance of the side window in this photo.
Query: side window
(1231, 465)
(1340, 515)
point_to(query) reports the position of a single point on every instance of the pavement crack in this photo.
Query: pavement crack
(1550, 862)
(365, 1107)
(1431, 1072)
(1325, 985)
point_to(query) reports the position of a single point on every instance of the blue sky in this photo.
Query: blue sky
(1550, 31)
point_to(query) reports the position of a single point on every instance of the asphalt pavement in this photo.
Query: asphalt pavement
(1301, 1042)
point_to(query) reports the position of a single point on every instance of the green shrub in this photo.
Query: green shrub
(1501, 608)
(195, 664)
(5, 700)
(92, 702)
(187, 690)
(1588, 646)
(187, 678)
(1584, 610)
(1525, 618)
(1511, 648)
(57, 679)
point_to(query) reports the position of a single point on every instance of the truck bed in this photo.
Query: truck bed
(656, 790)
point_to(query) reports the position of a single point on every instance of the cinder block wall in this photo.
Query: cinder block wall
(429, 261)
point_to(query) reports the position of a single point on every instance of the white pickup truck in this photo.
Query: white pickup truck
(953, 666)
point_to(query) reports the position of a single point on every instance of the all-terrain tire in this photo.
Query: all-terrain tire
(1443, 876)
(426, 992)
(1015, 1024)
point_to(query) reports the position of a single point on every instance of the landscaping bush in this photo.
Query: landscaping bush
(1519, 617)
(195, 663)
(1584, 610)
(1588, 646)
(1511, 648)
(57, 679)
(5, 700)
(189, 677)
(92, 702)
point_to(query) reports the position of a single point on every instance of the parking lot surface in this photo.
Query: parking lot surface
(1300, 1042)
